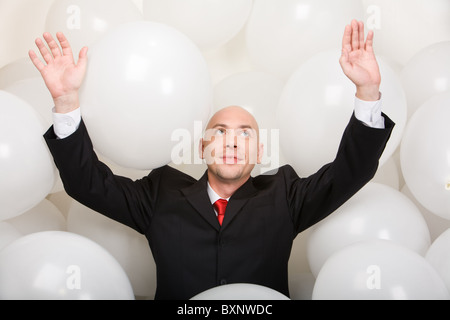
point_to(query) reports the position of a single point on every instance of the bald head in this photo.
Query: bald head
(233, 117)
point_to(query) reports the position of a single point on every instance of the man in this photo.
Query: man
(195, 245)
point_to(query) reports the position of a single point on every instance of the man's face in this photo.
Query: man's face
(230, 145)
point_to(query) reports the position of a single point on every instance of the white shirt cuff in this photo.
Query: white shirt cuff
(369, 112)
(66, 124)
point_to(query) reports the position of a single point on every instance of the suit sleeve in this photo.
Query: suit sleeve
(92, 183)
(313, 198)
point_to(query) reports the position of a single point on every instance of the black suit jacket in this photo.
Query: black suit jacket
(192, 251)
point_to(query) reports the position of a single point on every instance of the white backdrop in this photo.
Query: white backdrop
(279, 60)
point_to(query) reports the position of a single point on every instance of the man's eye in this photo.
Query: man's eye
(220, 132)
(245, 133)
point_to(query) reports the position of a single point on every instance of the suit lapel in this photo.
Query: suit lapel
(197, 196)
(238, 201)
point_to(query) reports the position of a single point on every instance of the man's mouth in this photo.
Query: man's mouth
(231, 160)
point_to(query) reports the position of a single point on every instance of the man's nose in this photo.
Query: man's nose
(230, 139)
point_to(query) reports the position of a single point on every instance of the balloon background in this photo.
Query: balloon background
(278, 59)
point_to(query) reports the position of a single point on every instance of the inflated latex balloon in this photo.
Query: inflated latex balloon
(281, 35)
(57, 265)
(376, 212)
(438, 255)
(424, 155)
(240, 291)
(27, 170)
(210, 24)
(404, 27)
(84, 22)
(426, 75)
(378, 270)
(34, 91)
(128, 247)
(316, 105)
(145, 80)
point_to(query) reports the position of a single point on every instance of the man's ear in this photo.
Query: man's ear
(260, 152)
(201, 149)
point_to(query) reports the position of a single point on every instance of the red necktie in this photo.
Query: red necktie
(220, 206)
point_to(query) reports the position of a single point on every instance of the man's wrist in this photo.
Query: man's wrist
(369, 93)
(67, 103)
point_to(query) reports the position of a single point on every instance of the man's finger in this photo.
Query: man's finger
(65, 45)
(82, 58)
(369, 42)
(361, 34)
(44, 51)
(347, 38)
(36, 61)
(355, 35)
(56, 51)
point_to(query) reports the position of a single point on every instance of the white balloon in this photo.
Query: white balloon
(376, 212)
(426, 74)
(438, 255)
(55, 265)
(128, 247)
(378, 270)
(404, 27)
(209, 23)
(43, 217)
(240, 291)
(27, 169)
(281, 35)
(138, 94)
(34, 91)
(316, 105)
(424, 156)
(84, 22)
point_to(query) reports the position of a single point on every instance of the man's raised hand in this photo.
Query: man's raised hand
(359, 63)
(62, 76)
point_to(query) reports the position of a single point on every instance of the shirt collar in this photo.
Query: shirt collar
(213, 196)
